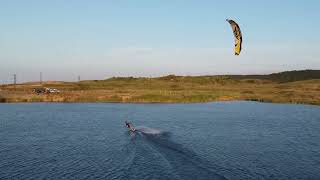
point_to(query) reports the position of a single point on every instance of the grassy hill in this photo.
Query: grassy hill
(287, 87)
(283, 77)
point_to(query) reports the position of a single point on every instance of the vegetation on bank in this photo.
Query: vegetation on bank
(286, 87)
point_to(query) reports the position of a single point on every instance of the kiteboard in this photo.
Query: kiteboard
(132, 129)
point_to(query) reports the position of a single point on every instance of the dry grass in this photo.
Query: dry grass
(169, 89)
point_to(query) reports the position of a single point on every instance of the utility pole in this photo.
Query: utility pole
(78, 78)
(14, 81)
(40, 77)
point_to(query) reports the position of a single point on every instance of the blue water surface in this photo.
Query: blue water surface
(222, 140)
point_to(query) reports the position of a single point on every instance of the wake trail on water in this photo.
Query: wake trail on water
(184, 162)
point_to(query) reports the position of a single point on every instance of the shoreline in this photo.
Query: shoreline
(164, 102)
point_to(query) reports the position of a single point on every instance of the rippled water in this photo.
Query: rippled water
(227, 140)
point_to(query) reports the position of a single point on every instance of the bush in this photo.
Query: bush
(3, 100)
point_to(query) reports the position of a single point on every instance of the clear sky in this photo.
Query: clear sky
(99, 39)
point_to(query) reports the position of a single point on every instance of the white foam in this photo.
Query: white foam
(147, 130)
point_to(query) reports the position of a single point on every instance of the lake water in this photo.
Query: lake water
(223, 140)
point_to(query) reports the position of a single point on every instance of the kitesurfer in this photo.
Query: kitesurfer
(127, 124)
(130, 126)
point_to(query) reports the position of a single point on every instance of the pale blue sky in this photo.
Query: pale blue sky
(100, 39)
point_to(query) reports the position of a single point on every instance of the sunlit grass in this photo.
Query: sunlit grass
(170, 89)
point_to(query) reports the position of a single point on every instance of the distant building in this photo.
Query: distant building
(45, 90)
(50, 90)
